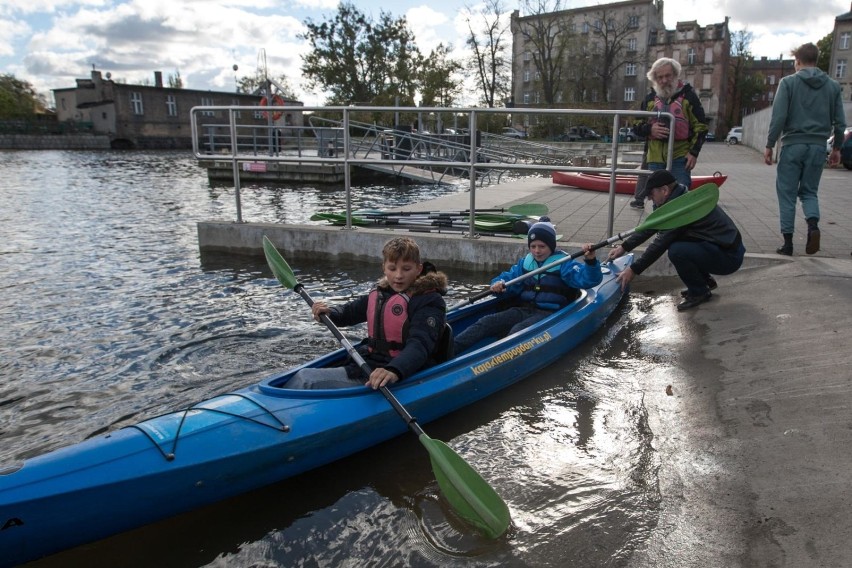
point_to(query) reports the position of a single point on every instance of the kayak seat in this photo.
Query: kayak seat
(444, 348)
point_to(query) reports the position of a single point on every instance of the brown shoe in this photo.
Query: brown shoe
(812, 245)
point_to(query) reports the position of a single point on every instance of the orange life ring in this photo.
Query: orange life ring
(277, 100)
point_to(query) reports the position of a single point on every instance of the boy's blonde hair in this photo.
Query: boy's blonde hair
(401, 249)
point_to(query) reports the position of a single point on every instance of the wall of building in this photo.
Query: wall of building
(756, 126)
(54, 142)
(842, 52)
(153, 117)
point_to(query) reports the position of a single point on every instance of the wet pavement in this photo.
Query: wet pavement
(754, 439)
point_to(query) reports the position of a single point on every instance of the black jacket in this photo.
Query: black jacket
(427, 313)
(716, 227)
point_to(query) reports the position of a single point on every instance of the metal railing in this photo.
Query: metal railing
(353, 143)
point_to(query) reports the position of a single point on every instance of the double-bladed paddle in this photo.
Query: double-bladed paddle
(688, 208)
(514, 211)
(470, 495)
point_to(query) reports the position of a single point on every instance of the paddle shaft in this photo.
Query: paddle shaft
(685, 209)
(546, 267)
(466, 491)
(365, 368)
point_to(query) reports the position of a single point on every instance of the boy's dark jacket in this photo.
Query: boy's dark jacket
(427, 313)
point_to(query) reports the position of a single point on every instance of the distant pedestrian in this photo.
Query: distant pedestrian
(807, 106)
(710, 245)
(670, 94)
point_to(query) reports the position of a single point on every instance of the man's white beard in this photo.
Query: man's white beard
(665, 93)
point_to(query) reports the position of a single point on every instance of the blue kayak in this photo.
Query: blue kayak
(261, 434)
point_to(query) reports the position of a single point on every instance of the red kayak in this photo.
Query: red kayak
(625, 184)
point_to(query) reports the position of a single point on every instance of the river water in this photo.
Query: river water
(109, 317)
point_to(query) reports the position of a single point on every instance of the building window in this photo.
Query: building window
(171, 105)
(207, 101)
(633, 22)
(629, 94)
(771, 79)
(235, 102)
(630, 70)
(538, 76)
(631, 44)
(708, 55)
(690, 56)
(526, 75)
(526, 98)
(594, 95)
(585, 27)
(558, 96)
(610, 25)
(770, 95)
(136, 102)
(845, 38)
(840, 71)
(527, 56)
(537, 97)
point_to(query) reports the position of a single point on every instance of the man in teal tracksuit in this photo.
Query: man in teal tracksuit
(807, 106)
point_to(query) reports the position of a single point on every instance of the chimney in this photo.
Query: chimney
(158, 79)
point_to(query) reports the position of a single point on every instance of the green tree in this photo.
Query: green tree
(18, 99)
(175, 81)
(824, 46)
(487, 40)
(547, 39)
(358, 60)
(609, 37)
(743, 86)
(439, 82)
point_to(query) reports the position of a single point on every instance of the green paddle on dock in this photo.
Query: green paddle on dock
(688, 208)
(465, 490)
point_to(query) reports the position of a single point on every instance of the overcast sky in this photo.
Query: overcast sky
(50, 43)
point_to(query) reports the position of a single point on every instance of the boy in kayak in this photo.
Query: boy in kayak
(405, 315)
(711, 245)
(537, 296)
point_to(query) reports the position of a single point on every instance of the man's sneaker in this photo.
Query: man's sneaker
(812, 245)
(637, 204)
(786, 250)
(711, 284)
(692, 301)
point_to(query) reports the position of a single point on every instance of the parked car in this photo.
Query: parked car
(514, 132)
(578, 133)
(710, 137)
(735, 135)
(845, 149)
(830, 142)
(626, 134)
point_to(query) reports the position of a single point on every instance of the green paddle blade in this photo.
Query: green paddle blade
(469, 495)
(279, 266)
(529, 209)
(688, 208)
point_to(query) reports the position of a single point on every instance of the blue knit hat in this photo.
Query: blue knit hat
(543, 231)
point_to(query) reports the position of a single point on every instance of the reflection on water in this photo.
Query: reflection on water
(109, 317)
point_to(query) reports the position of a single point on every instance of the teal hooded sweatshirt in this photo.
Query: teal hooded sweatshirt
(807, 107)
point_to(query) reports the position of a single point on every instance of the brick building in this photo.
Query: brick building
(631, 35)
(153, 117)
(841, 54)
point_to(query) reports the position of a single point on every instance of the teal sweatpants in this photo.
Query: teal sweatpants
(799, 171)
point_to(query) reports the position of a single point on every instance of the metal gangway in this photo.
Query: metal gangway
(347, 143)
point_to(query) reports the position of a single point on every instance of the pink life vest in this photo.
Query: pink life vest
(387, 322)
(676, 108)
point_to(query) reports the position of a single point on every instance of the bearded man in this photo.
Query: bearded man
(670, 94)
